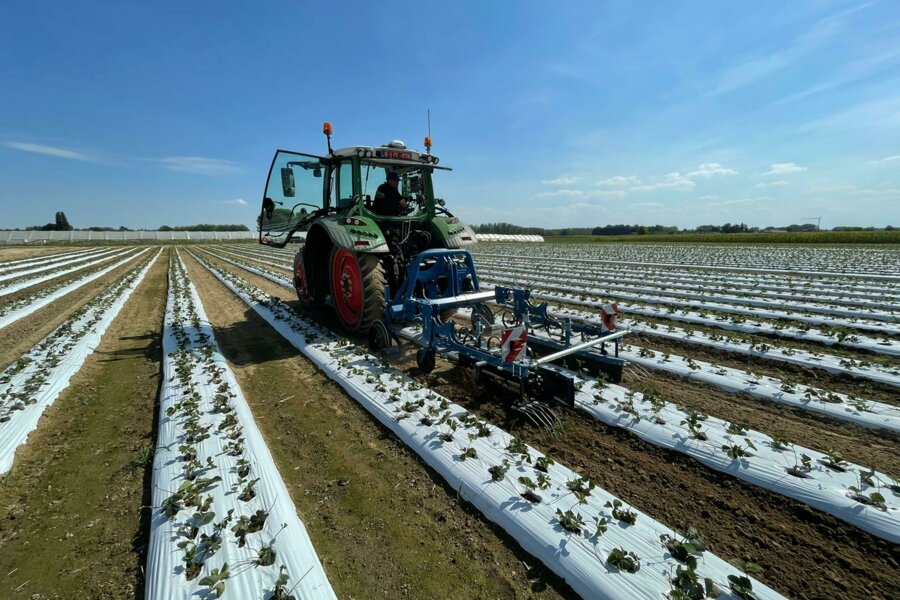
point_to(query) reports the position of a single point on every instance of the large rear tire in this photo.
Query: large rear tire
(301, 284)
(357, 289)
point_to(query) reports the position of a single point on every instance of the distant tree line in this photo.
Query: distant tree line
(204, 227)
(61, 223)
(508, 228)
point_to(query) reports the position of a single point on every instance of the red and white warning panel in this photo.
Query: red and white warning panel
(513, 343)
(608, 314)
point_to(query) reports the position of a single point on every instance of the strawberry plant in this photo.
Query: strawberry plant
(517, 446)
(736, 451)
(741, 586)
(498, 472)
(625, 515)
(623, 560)
(686, 585)
(693, 420)
(686, 550)
(215, 581)
(779, 442)
(192, 559)
(468, 453)
(249, 493)
(601, 525)
(543, 463)
(874, 499)
(571, 522)
(736, 429)
(581, 488)
(801, 467)
(746, 566)
(835, 460)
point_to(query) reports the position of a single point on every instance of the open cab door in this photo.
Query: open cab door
(296, 190)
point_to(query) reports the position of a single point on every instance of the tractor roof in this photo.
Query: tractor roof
(394, 152)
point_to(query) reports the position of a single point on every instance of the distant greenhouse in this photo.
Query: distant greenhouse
(32, 237)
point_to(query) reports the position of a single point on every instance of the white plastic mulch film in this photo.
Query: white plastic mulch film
(223, 521)
(23, 307)
(577, 530)
(36, 380)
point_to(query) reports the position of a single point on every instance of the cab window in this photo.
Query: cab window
(345, 185)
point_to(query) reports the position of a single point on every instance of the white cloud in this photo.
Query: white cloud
(564, 180)
(709, 197)
(672, 181)
(887, 159)
(47, 150)
(764, 185)
(707, 170)
(647, 205)
(784, 169)
(200, 165)
(619, 181)
(582, 194)
(753, 200)
(236, 202)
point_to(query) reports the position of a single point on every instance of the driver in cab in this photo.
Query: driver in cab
(388, 201)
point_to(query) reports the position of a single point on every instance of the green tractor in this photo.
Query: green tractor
(351, 253)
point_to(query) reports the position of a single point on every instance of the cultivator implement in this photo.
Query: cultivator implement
(504, 350)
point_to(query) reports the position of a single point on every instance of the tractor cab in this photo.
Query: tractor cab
(304, 187)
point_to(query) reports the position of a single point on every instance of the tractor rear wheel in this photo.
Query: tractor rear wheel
(357, 289)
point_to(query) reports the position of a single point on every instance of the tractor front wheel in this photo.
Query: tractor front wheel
(357, 289)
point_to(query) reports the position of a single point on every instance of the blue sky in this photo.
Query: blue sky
(552, 114)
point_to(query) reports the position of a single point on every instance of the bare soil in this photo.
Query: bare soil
(384, 525)
(71, 521)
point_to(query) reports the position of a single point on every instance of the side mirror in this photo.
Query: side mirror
(287, 182)
(441, 202)
(317, 172)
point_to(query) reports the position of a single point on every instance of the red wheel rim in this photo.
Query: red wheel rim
(347, 286)
(300, 282)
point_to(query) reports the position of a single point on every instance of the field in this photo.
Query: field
(781, 237)
(172, 426)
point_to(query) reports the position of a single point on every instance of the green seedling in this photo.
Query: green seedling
(741, 586)
(581, 488)
(629, 562)
(571, 522)
(625, 515)
(215, 581)
(874, 499)
(468, 453)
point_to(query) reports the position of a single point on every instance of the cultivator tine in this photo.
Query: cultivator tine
(640, 371)
(540, 414)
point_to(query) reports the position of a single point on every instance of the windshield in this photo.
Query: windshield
(413, 183)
